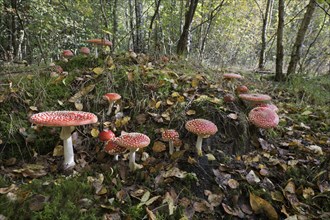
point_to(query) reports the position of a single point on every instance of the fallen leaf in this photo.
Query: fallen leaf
(232, 183)
(6, 190)
(79, 106)
(58, 151)
(82, 92)
(259, 205)
(98, 70)
(191, 112)
(175, 172)
(95, 132)
(158, 147)
(203, 206)
(252, 178)
(151, 215)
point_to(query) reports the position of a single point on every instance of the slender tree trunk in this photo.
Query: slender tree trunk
(296, 50)
(264, 34)
(153, 18)
(115, 24)
(139, 43)
(279, 76)
(131, 22)
(182, 46)
(105, 17)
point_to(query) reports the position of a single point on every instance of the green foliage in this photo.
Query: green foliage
(63, 200)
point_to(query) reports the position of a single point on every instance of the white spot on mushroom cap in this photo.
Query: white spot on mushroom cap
(201, 127)
(133, 140)
(263, 117)
(63, 118)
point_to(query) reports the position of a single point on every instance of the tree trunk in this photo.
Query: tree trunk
(264, 34)
(279, 76)
(139, 42)
(296, 50)
(131, 24)
(153, 18)
(115, 24)
(182, 46)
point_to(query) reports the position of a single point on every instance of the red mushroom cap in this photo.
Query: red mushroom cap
(85, 50)
(132, 140)
(269, 105)
(201, 127)
(170, 135)
(263, 117)
(112, 96)
(255, 97)
(112, 148)
(242, 89)
(63, 118)
(106, 135)
(228, 98)
(67, 53)
(103, 42)
(232, 76)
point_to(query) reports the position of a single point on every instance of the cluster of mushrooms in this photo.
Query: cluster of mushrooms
(263, 115)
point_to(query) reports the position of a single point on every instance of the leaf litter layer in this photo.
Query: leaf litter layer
(244, 173)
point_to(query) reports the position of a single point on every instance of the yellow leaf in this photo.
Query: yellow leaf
(95, 132)
(259, 205)
(98, 70)
(33, 108)
(58, 151)
(78, 106)
(194, 83)
(175, 94)
(180, 99)
(169, 102)
(158, 104)
(191, 112)
(210, 157)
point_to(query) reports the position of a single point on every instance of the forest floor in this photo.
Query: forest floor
(245, 173)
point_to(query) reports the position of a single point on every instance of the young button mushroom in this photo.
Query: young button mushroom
(170, 136)
(67, 120)
(133, 142)
(85, 51)
(203, 128)
(263, 117)
(111, 98)
(106, 135)
(114, 149)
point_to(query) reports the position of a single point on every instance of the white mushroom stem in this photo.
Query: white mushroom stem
(68, 148)
(132, 165)
(110, 107)
(96, 53)
(199, 145)
(116, 157)
(170, 143)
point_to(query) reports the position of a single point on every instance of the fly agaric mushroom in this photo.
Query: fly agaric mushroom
(111, 98)
(242, 89)
(228, 98)
(67, 120)
(114, 149)
(170, 135)
(255, 98)
(231, 77)
(263, 117)
(99, 42)
(133, 142)
(269, 105)
(67, 53)
(203, 128)
(85, 51)
(106, 135)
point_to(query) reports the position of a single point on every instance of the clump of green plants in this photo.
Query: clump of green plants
(51, 199)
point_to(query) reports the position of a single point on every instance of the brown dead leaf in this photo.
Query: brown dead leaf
(141, 118)
(151, 215)
(232, 183)
(6, 190)
(235, 212)
(290, 187)
(259, 205)
(82, 92)
(38, 202)
(214, 199)
(158, 147)
(203, 206)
